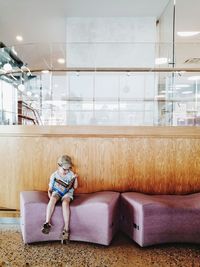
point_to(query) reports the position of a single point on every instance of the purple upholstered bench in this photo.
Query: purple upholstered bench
(155, 219)
(94, 217)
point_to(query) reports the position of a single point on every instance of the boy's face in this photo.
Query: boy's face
(62, 170)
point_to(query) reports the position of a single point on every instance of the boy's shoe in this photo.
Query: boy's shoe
(46, 228)
(65, 236)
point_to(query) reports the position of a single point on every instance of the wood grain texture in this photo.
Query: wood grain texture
(99, 131)
(151, 164)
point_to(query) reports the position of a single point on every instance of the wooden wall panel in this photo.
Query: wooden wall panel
(169, 163)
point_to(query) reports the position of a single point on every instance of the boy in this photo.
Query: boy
(63, 174)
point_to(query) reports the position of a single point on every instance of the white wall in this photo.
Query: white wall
(112, 98)
(111, 42)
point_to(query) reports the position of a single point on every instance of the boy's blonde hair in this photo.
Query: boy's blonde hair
(65, 161)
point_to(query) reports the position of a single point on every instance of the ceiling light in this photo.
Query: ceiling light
(19, 38)
(187, 34)
(61, 60)
(7, 67)
(21, 87)
(45, 71)
(194, 78)
(161, 60)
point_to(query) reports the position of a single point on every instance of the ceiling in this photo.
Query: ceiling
(45, 21)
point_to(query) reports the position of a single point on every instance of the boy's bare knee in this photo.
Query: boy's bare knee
(66, 201)
(53, 199)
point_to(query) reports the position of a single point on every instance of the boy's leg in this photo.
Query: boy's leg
(66, 211)
(50, 208)
(66, 216)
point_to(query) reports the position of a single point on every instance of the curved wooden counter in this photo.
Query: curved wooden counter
(145, 159)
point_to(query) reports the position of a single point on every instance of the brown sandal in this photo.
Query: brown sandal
(65, 236)
(46, 228)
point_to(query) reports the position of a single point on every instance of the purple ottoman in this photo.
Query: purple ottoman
(156, 219)
(94, 217)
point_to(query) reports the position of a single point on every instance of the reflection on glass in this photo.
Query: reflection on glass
(111, 99)
(60, 98)
(91, 96)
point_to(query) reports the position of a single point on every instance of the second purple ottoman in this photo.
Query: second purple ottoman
(94, 217)
(156, 219)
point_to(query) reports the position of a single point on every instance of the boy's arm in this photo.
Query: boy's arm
(76, 181)
(50, 186)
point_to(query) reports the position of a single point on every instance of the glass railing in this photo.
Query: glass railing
(101, 84)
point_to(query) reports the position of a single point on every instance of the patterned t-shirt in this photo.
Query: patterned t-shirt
(67, 178)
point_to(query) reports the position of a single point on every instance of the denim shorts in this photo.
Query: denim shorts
(59, 197)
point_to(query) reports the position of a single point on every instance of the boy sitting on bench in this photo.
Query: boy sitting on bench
(61, 187)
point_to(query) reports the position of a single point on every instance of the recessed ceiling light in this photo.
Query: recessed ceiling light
(161, 60)
(19, 38)
(61, 60)
(194, 78)
(187, 34)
